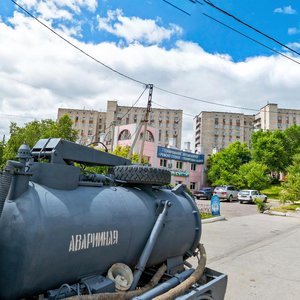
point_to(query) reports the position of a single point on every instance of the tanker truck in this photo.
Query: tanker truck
(67, 232)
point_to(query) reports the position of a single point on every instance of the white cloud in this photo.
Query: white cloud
(40, 73)
(294, 45)
(62, 10)
(72, 5)
(286, 10)
(293, 30)
(134, 29)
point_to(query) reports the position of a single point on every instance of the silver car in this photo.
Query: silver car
(250, 196)
(228, 192)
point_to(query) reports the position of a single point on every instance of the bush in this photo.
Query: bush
(261, 205)
(291, 188)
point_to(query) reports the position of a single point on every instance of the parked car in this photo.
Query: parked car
(228, 192)
(205, 192)
(250, 196)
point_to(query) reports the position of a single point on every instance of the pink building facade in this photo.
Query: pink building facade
(185, 166)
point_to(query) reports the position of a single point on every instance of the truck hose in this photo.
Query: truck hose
(5, 181)
(185, 285)
(125, 295)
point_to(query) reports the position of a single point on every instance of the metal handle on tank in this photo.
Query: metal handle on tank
(149, 245)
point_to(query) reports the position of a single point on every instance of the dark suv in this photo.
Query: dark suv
(205, 192)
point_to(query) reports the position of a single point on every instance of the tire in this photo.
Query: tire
(230, 198)
(142, 175)
(242, 202)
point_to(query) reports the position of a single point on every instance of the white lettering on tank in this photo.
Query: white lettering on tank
(77, 242)
(93, 240)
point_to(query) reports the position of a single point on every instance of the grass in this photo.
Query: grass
(286, 208)
(206, 216)
(273, 191)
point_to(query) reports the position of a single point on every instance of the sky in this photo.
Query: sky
(187, 47)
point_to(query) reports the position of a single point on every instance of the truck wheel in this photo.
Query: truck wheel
(142, 174)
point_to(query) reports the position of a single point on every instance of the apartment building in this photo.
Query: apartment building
(168, 122)
(216, 130)
(271, 117)
(94, 125)
(89, 123)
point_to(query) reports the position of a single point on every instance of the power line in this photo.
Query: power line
(237, 31)
(250, 26)
(138, 99)
(77, 48)
(187, 114)
(250, 38)
(126, 76)
(204, 101)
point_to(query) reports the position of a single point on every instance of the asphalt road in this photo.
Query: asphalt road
(259, 253)
(232, 209)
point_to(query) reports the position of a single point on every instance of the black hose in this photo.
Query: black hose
(5, 181)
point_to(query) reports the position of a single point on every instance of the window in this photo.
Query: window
(193, 167)
(178, 182)
(216, 121)
(179, 164)
(149, 136)
(124, 135)
(192, 185)
(163, 162)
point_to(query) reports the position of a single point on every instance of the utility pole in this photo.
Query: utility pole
(113, 124)
(145, 122)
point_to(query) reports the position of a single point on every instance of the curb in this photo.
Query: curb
(215, 219)
(277, 213)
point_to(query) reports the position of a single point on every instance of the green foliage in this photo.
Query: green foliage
(286, 208)
(35, 130)
(292, 135)
(1, 153)
(261, 205)
(271, 149)
(291, 188)
(224, 165)
(254, 176)
(120, 151)
(123, 152)
(273, 191)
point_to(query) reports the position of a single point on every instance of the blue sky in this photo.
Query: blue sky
(153, 42)
(279, 19)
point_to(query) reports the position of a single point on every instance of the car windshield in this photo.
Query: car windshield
(244, 193)
(219, 188)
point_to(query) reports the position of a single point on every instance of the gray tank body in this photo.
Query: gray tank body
(51, 236)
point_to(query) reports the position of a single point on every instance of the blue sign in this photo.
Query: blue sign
(215, 205)
(169, 153)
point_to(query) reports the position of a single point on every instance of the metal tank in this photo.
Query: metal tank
(59, 224)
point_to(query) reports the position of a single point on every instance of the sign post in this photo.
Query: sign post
(215, 205)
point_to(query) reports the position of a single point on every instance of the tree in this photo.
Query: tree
(35, 130)
(1, 154)
(292, 135)
(224, 165)
(124, 150)
(291, 188)
(270, 149)
(253, 175)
